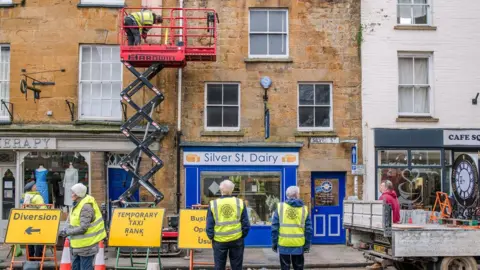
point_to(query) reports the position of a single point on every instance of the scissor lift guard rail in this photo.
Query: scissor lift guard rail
(186, 35)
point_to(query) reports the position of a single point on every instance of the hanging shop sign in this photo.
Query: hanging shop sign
(136, 227)
(27, 143)
(192, 233)
(240, 158)
(461, 137)
(33, 226)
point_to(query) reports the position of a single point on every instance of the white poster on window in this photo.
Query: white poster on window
(240, 158)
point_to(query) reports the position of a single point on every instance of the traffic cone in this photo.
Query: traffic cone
(100, 258)
(66, 263)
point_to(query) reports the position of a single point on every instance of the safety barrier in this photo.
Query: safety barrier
(44, 249)
(191, 252)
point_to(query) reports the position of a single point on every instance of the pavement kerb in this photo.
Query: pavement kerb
(275, 266)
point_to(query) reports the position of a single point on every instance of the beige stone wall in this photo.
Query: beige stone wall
(98, 183)
(46, 34)
(323, 48)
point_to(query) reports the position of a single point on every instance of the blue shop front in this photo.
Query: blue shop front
(261, 173)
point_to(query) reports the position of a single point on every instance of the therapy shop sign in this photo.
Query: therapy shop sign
(240, 158)
(192, 234)
(461, 137)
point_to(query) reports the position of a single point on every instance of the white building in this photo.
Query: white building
(420, 70)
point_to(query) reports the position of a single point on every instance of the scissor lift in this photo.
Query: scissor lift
(180, 41)
(186, 35)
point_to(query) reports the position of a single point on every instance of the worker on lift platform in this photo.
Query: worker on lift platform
(142, 22)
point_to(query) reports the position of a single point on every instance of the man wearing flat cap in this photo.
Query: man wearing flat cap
(33, 199)
(85, 230)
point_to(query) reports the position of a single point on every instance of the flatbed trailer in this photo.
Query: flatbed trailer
(409, 246)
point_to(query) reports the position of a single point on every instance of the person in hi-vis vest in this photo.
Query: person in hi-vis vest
(291, 230)
(140, 23)
(227, 226)
(85, 228)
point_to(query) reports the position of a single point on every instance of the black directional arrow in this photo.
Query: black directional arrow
(31, 230)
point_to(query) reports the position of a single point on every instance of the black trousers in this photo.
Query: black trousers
(296, 260)
(35, 251)
(133, 34)
(233, 249)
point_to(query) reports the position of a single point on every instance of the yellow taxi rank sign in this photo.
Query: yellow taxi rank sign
(192, 232)
(33, 226)
(136, 227)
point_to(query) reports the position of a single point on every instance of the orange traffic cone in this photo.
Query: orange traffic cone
(100, 258)
(66, 263)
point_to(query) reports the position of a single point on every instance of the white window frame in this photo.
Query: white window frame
(412, 4)
(207, 128)
(330, 128)
(4, 116)
(424, 55)
(266, 33)
(80, 94)
(103, 2)
(6, 2)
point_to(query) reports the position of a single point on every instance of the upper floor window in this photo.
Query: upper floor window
(413, 12)
(4, 79)
(6, 2)
(315, 106)
(268, 33)
(100, 83)
(102, 2)
(414, 90)
(222, 106)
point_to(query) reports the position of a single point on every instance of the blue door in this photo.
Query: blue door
(328, 191)
(118, 181)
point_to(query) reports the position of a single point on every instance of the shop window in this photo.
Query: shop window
(314, 106)
(268, 33)
(416, 175)
(393, 157)
(260, 190)
(58, 171)
(425, 158)
(4, 78)
(414, 89)
(222, 106)
(448, 162)
(100, 82)
(413, 12)
(7, 157)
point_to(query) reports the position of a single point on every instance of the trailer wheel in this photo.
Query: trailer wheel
(465, 263)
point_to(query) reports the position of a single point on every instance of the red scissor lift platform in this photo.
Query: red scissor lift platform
(185, 35)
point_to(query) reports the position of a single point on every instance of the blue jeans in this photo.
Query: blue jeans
(82, 263)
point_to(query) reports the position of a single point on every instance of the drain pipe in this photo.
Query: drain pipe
(179, 112)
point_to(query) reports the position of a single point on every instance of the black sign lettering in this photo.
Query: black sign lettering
(140, 57)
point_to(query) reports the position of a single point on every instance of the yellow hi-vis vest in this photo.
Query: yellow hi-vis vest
(292, 225)
(96, 231)
(143, 18)
(226, 213)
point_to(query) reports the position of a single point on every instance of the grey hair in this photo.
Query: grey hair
(388, 184)
(226, 187)
(293, 192)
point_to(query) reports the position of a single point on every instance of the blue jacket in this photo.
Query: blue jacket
(243, 220)
(276, 229)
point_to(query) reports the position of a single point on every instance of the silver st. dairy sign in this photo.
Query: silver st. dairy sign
(27, 143)
(461, 137)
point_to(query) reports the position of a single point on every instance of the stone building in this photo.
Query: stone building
(308, 50)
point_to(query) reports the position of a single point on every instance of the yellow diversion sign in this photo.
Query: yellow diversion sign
(136, 227)
(192, 232)
(33, 226)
